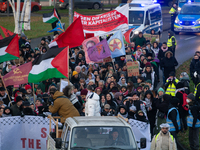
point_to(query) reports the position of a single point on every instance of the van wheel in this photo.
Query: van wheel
(35, 8)
(96, 6)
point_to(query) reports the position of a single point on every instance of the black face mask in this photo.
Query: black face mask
(196, 60)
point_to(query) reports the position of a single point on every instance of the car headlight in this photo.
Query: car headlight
(198, 22)
(40, 4)
(136, 32)
(179, 8)
(176, 21)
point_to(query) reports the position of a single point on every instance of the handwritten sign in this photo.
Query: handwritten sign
(152, 38)
(132, 68)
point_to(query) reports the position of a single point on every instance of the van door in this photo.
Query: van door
(155, 18)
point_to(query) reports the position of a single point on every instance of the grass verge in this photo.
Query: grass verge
(183, 137)
(185, 67)
(38, 28)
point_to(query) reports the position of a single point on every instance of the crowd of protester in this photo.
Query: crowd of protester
(146, 97)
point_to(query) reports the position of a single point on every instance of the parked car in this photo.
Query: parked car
(94, 4)
(34, 6)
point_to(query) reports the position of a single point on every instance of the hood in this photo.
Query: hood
(93, 96)
(148, 92)
(188, 17)
(57, 94)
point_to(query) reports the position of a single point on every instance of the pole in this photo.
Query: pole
(8, 11)
(33, 93)
(68, 63)
(70, 12)
(6, 91)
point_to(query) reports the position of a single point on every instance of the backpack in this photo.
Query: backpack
(184, 101)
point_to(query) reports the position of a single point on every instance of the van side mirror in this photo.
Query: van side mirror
(58, 143)
(147, 22)
(143, 143)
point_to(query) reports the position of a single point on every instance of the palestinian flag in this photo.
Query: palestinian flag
(127, 35)
(53, 64)
(9, 48)
(51, 17)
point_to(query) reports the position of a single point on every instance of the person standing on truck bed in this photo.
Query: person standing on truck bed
(173, 13)
(62, 105)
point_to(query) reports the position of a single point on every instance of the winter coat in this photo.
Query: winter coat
(139, 41)
(156, 144)
(161, 53)
(169, 65)
(152, 77)
(156, 51)
(5, 99)
(63, 106)
(193, 67)
(92, 106)
(16, 111)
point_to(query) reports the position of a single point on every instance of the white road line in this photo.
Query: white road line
(190, 38)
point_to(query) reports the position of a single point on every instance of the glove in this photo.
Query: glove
(195, 74)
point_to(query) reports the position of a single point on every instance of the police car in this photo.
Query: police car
(188, 20)
(145, 16)
(182, 2)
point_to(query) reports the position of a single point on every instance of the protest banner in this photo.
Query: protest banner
(132, 68)
(20, 133)
(152, 38)
(141, 130)
(106, 23)
(87, 44)
(63, 84)
(18, 75)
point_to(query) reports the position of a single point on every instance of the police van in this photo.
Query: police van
(188, 20)
(145, 16)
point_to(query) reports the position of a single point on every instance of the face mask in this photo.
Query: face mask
(73, 62)
(187, 100)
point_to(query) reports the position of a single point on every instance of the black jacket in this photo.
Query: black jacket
(193, 67)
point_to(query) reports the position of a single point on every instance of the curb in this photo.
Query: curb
(180, 146)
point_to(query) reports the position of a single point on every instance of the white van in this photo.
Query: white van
(145, 16)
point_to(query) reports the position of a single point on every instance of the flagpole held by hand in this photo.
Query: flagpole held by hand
(33, 93)
(6, 90)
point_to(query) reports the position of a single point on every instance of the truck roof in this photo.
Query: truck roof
(96, 121)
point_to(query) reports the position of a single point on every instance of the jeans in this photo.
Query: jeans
(194, 138)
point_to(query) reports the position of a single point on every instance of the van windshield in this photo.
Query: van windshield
(136, 17)
(102, 138)
(190, 10)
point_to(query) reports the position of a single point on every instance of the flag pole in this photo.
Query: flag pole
(113, 65)
(68, 63)
(6, 90)
(33, 93)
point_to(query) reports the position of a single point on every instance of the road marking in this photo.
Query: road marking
(190, 38)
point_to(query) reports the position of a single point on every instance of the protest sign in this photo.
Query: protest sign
(108, 59)
(24, 133)
(63, 84)
(132, 68)
(141, 130)
(106, 23)
(152, 38)
(128, 58)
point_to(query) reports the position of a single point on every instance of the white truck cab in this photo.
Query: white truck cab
(145, 15)
(92, 133)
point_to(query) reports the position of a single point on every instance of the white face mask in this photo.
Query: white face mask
(187, 100)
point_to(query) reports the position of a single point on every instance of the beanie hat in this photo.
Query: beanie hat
(43, 39)
(191, 96)
(161, 89)
(138, 47)
(18, 98)
(148, 64)
(184, 74)
(172, 74)
(39, 100)
(23, 90)
(148, 81)
(146, 86)
(84, 92)
(139, 88)
(74, 73)
(27, 87)
(2, 88)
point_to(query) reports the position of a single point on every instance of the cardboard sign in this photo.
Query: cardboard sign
(152, 38)
(132, 68)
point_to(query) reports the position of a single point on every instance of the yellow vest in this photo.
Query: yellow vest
(159, 134)
(169, 42)
(172, 11)
(195, 91)
(171, 88)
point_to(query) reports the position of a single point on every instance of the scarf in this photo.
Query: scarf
(164, 50)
